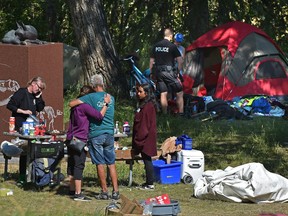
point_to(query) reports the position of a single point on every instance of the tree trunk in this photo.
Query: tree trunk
(95, 46)
(197, 20)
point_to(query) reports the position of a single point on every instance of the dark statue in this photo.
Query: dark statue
(24, 34)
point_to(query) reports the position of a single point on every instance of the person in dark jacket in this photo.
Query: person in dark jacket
(24, 102)
(144, 138)
(164, 72)
(27, 101)
(79, 128)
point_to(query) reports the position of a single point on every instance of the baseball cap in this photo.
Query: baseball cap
(179, 37)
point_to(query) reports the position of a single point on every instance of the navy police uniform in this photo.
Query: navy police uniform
(164, 52)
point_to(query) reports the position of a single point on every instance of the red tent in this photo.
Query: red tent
(237, 59)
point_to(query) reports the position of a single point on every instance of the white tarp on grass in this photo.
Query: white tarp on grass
(246, 183)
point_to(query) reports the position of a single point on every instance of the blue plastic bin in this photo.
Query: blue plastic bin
(186, 142)
(167, 173)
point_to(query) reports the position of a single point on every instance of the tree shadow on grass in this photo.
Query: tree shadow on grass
(271, 157)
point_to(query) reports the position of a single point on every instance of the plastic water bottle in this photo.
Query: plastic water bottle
(194, 109)
(126, 128)
(205, 102)
(148, 207)
(116, 131)
(31, 123)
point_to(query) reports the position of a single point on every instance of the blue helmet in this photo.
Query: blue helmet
(179, 37)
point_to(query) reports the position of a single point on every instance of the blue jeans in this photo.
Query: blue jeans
(101, 149)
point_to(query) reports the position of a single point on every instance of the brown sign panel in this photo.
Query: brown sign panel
(20, 63)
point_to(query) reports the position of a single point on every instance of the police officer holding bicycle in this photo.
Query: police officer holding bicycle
(164, 71)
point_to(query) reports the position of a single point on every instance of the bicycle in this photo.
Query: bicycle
(136, 76)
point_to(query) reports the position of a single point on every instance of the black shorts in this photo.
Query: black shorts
(76, 163)
(168, 80)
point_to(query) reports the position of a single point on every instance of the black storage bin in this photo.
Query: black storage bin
(53, 149)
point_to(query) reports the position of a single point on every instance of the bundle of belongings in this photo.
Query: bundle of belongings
(169, 149)
(260, 105)
(246, 183)
(243, 108)
(225, 111)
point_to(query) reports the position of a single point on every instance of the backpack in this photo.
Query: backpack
(42, 171)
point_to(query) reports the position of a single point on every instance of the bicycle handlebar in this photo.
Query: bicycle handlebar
(129, 58)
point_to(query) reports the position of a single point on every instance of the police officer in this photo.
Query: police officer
(162, 65)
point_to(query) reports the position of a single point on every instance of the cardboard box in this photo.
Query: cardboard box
(133, 208)
(128, 208)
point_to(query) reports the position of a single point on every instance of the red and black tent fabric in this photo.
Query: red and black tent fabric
(237, 59)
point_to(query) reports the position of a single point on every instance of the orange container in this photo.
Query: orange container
(11, 124)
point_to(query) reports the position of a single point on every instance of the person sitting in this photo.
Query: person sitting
(193, 95)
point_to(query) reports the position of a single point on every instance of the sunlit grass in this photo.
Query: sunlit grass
(223, 142)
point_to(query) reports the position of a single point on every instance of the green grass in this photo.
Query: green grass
(224, 143)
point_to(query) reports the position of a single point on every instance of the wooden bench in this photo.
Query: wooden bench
(129, 157)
